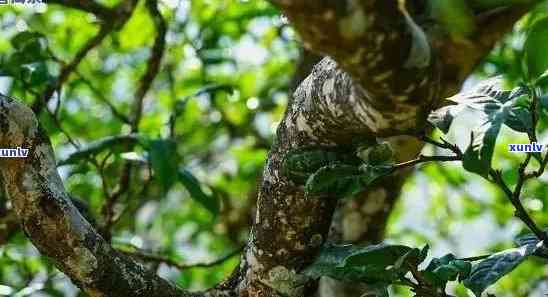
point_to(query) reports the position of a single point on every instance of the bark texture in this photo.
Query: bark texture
(364, 88)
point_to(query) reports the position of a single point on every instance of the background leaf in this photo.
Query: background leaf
(488, 271)
(535, 48)
(164, 162)
(191, 183)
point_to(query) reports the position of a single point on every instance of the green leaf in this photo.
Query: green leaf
(164, 162)
(328, 261)
(520, 120)
(486, 97)
(371, 264)
(191, 183)
(23, 39)
(413, 258)
(114, 143)
(339, 179)
(443, 117)
(35, 73)
(299, 164)
(447, 268)
(30, 47)
(380, 153)
(491, 4)
(529, 239)
(535, 49)
(495, 106)
(490, 270)
(371, 173)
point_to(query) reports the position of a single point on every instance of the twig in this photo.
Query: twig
(514, 198)
(153, 64)
(87, 6)
(115, 19)
(476, 258)
(103, 99)
(424, 159)
(148, 257)
(153, 68)
(67, 69)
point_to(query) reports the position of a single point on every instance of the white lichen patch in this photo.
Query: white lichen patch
(328, 87)
(375, 201)
(22, 116)
(252, 259)
(302, 124)
(132, 274)
(82, 263)
(284, 281)
(354, 226)
(30, 187)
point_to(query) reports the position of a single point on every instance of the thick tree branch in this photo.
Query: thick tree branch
(52, 222)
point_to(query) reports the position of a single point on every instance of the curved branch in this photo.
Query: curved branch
(53, 223)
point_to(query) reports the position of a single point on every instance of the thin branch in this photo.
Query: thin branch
(153, 65)
(514, 198)
(152, 70)
(149, 257)
(115, 112)
(424, 159)
(67, 69)
(118, 16)
(476, 258)
(88, 6)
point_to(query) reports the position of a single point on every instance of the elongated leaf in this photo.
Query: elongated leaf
(164, 162)
(299, 164)
(490, 270)
(373, 172)
(495, 106)
(529, 239)
(22, 39)
(371, 264)
(338, 179)
(191, 183)
(535, 48)
(484, 97)
(113, 143)
(520, 120)
(443, 117)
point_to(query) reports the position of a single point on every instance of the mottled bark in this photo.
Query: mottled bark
(362, 90)
(53, 223)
